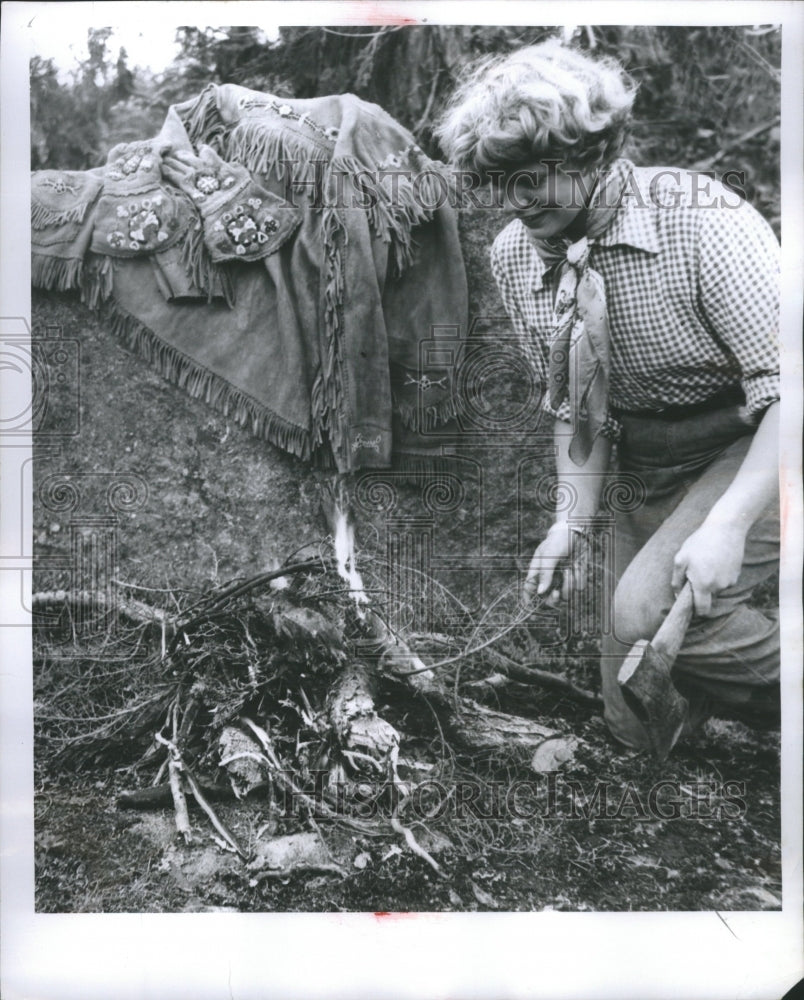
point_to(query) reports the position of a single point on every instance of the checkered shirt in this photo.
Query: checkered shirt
(692, 287)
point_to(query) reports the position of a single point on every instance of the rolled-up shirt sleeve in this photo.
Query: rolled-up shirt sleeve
(739, 294)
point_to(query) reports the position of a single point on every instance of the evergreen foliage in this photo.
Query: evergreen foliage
(709, 96)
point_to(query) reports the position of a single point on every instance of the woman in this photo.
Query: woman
(647, 302)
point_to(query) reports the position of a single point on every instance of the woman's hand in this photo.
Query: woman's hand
(581, 489)
(555, 549)
(711, 559)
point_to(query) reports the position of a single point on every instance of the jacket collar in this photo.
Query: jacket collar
(633, 225)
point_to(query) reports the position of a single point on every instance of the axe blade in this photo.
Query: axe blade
(645, 681)
(649, 692)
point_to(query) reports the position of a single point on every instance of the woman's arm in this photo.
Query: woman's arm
(712, 557)
(585, 484)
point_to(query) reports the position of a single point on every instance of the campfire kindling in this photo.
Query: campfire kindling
(294, 690)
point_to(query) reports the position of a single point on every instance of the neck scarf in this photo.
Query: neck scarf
(579, 338)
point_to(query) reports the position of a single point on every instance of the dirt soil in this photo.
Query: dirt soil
(209, 503)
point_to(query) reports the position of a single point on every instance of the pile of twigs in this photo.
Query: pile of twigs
(245, 644)
(263, 689)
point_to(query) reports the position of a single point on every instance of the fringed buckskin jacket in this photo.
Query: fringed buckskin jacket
(289, 261)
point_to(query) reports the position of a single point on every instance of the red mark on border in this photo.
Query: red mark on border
(380, 14)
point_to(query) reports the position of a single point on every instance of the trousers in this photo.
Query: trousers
(729, 662)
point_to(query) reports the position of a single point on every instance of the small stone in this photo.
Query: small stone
(553, 754)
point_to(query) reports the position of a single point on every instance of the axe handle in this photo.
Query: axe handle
(670, 635)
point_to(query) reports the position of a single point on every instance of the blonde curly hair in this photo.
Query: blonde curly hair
(546, 101)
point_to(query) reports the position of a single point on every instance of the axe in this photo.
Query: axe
(644, 678)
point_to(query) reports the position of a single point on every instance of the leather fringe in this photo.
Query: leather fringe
(97, 280)
(275, 154)
(428, 418)
(203, 121)
(42, 217)
(202, 269)
(56, 273)
(327, 394)
(203, 384)
(392, 212)
(392, 215)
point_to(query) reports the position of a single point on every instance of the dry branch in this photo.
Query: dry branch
(477, 727)
(213, 817)
(414, 846)
(361, 733)
(485, 728)
(532, 675)
(136, 611)
(279, 774)
(161, 795)
(179, 801)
